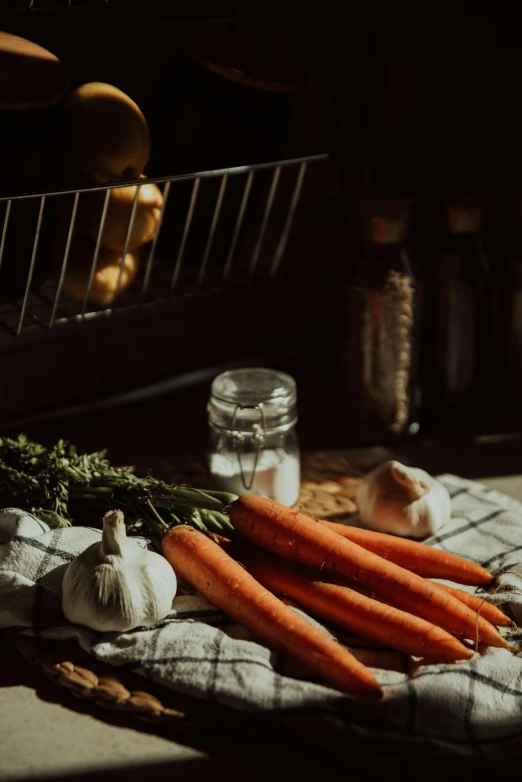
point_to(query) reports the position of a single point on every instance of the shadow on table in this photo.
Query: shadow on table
(257, 770)
(257, 749)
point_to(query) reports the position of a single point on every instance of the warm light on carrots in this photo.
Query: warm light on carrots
(293, 535)
(414, 556)
(347, 608)
(227, 585)
(490, 612)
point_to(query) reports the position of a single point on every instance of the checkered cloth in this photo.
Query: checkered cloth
(470, 708)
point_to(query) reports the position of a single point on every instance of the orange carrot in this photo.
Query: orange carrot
(490, 612)
(417, 557)
(293, 535)
(224, 582)
(352, 610)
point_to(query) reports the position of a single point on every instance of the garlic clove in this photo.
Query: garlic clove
(402, 500)
(116, 584)
(406, 484)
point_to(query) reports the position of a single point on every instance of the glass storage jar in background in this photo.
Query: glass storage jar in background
(253, 444)
(377, 327)
(508, 288)
(457, 348)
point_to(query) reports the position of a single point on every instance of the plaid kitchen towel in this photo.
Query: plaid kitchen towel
(470, 708)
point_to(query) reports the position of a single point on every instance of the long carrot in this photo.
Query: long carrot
(490, 612)
(417, 557)
(293, 535)
(224, 582)
(352, 610)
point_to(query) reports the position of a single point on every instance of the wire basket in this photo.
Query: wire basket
(207, 282)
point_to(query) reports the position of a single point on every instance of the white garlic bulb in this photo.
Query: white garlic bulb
(116, 585)
(403, 501)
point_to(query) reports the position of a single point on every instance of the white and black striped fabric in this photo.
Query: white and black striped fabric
(471, 709)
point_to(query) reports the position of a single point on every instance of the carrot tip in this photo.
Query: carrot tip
(495, 578)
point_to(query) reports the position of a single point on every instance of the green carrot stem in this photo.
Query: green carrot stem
(158, 521)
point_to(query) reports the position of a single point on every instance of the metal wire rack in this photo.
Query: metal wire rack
(208, 287)
(163, 275)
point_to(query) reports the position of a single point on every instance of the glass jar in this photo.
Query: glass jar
(253, 444)
(457, 349)
(377, 329)
(507, 249)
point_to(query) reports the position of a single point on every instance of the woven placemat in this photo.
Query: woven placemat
(71, 668)
(328, 486)
(328, 490)
(329, 482)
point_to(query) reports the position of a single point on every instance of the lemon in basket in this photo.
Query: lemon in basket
(108, 134)
(104, 285)
(119, 211)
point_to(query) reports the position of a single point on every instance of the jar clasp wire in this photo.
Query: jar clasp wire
(258, 436)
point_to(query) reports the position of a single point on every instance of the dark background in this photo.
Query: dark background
(407, 100)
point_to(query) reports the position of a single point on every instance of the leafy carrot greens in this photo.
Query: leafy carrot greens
(63, 487)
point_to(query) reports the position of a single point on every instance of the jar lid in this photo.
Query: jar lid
(465, 212)
(241, 398)
(382, 221)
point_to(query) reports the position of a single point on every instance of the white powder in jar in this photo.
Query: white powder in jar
(277, 474)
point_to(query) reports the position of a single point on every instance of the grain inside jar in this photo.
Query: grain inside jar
(377, 329)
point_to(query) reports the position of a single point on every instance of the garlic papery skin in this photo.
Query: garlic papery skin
(117, 585)
(404, 501)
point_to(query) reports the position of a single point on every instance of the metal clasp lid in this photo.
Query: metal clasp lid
(258, 436)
